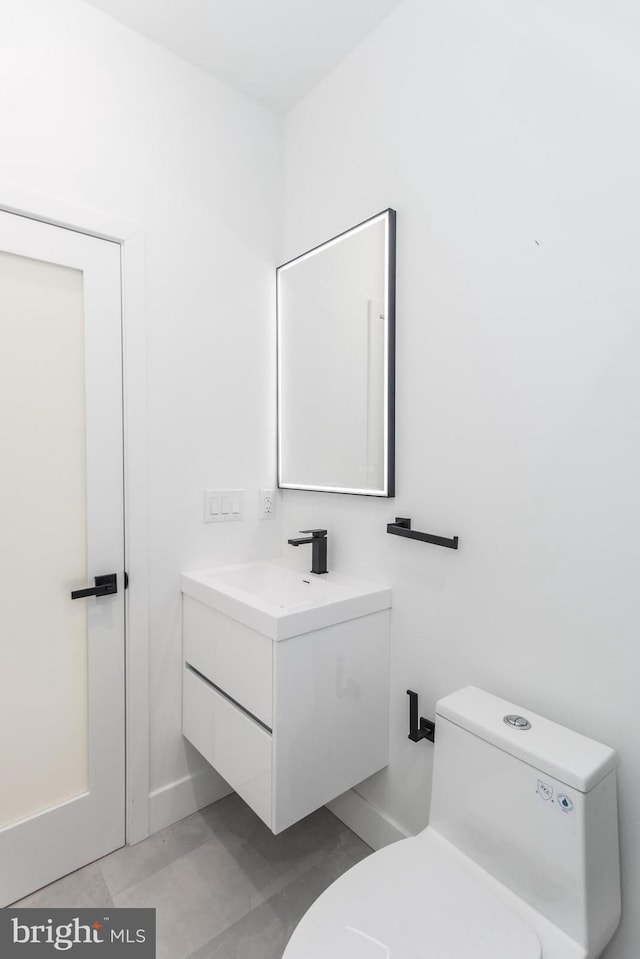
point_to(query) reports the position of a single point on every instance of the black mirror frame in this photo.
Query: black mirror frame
(389, 488)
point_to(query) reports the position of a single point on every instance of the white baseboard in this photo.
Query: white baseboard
(178, 799)
(185, 796)
(373, 826)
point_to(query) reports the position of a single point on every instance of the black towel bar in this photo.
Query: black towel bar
(402, 527)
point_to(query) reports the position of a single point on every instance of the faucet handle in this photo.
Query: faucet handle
(315, 532)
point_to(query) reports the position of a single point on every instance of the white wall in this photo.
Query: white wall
(505, 135)
(94, 114)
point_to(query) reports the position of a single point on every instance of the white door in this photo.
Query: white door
(62, 798)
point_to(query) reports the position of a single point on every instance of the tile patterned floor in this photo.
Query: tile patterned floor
(223, 886)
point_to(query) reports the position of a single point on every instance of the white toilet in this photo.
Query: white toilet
(519, 861)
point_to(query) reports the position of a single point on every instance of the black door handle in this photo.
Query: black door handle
(105, 585)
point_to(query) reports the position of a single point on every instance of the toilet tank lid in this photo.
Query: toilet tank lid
(571, 758)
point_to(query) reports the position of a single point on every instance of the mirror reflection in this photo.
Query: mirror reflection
(336, 352)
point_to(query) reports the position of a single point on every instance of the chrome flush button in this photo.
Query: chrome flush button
(517, 722)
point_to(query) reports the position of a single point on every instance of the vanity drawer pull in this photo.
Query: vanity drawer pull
(226, 696)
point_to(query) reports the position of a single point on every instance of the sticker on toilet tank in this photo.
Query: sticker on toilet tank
(544, 790)
(564, 802)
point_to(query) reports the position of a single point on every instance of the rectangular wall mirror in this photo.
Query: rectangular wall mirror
(336, 363)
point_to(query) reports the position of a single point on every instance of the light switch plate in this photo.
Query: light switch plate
(223, 505)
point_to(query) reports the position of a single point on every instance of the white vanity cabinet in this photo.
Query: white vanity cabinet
(293, 719)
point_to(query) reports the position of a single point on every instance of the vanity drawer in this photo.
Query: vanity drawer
(235, 745)
(235, 658)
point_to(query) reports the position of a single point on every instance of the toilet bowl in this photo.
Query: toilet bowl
(520, 860)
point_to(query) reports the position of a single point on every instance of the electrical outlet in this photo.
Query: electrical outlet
(266, 504)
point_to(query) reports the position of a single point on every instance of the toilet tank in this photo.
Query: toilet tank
(534, 805)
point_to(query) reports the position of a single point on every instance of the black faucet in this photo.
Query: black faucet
(318, 540)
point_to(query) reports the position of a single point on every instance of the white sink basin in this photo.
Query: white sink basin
(281, 602)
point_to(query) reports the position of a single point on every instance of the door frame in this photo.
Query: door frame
(130, 237)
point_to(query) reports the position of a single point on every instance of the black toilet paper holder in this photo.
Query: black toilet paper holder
(419, 728)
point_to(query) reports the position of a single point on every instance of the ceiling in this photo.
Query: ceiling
(273, 50)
